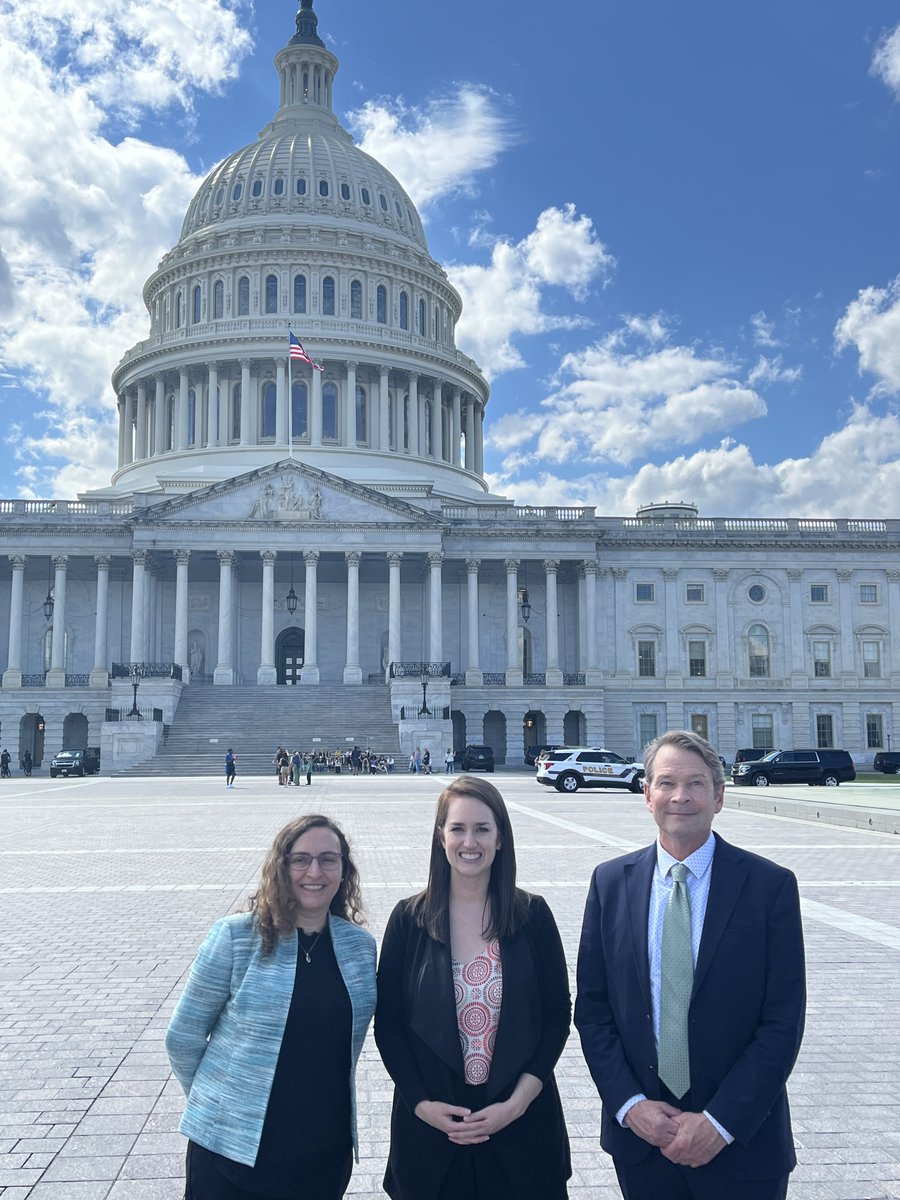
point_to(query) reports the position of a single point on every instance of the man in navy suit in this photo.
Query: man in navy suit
(719, 1127)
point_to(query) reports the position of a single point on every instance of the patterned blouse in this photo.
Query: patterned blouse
(478, 991)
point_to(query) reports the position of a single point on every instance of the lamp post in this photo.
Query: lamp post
(135, 683)
(424, 711)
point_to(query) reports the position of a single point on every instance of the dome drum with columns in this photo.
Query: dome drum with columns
(301, 556)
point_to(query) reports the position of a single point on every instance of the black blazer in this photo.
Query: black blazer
(417, 1033)
(747, 1006)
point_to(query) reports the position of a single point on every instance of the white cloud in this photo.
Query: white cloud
(86, 218)
(436, 149)
(772, 370)
(505, 298)
(886, 60)
(871, 323)
(763, 330)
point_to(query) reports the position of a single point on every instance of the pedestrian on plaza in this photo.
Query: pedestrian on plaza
(691, 997)
(426, 761)
(27, 762)
(476, 1112)
(448, 761)
(296, 764)
(309, 770)
(230, 767)
(4, 763)
(268, 1031)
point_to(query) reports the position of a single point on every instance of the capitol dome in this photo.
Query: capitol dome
(301, 232)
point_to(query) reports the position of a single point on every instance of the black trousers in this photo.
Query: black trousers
(658, 1179)
(475, 1174)
(326, 1179)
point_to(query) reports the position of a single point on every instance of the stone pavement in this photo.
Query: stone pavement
(108, 886)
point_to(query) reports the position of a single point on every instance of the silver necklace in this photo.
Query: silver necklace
(308, 952)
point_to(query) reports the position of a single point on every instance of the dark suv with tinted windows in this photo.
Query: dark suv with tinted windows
(888, 762)
(827, 767)
(477, 758)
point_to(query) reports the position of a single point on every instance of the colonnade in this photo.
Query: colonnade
(404, 412)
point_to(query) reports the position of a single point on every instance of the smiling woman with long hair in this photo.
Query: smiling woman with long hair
(473, 1013)
(267, 1034)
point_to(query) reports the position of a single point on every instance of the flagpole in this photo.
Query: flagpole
(290, 403)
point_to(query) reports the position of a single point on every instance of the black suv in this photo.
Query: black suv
(76, 762)
(887, 762)
(751, 753)
(827, 767)
(477, 758)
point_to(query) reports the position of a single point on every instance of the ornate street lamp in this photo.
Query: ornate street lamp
(135, 683)
(290, 599)
(424, 711)
(47, 606)
(525, 607)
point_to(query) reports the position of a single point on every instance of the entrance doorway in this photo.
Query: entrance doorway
(31, 737)
(289, 649)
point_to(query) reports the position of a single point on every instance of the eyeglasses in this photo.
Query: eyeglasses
(329, 861)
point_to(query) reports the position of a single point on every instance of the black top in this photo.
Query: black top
(308, 1116)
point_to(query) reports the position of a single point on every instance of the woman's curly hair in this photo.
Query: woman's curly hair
(273, 903)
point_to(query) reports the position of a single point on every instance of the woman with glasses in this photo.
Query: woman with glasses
(473, 1013)
(267, 1034)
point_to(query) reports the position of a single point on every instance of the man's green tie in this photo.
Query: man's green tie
(677, 981)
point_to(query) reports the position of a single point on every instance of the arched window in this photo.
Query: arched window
(237, 191)
(323, 187)
(192, 418)
(362, 424)
(197, 305)
(329, 412)
(178, 310)
(758, 645)
(271, 293)
(404, 310)
(301, 185)
(257, 188)
(422, 328)
(267, 416)
(300, 293)
(356, 300)
(365, 196)
(218, 300)
(278, 187)
(299, 410)
(236, 413)
(328, 296)
(244, 296)
(345, 191)
(381, 305)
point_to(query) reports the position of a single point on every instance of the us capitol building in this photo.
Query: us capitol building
(312, 557)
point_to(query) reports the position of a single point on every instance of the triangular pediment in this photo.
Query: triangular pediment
(287, 493)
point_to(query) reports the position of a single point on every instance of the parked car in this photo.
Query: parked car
(477, 758)
(76, 762)
(533, 753)
(888, 762)
(569, 769)
(828, 767)
(752, 753)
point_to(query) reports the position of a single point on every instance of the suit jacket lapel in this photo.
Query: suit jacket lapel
(520, 1015)
(434, 1007)
(729, 871)
(638, 878)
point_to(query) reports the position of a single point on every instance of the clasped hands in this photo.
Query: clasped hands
(464, 1127)
(685, 1138)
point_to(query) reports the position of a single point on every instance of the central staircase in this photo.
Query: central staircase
(255, 721)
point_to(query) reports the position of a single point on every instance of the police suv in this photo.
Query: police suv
(569, 769)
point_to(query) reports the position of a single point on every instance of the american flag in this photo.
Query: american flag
(297, 352)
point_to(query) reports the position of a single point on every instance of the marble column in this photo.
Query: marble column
(724, 671)
(266, 673)
(479, 439)
(100, 673)
(890, 667)
(849, 674)
(181, 411)
(624, 664)
(12, 676)
(352, 669)
(212, 404)
(56, 676)
(159, 420)
(224, 672)
(310, 671)
(474, 676)
(350, 407)
(246, 406)
(384, 410)
(315, 409)
(281, 410)
(140, 437)
(794, 625)
(553, 674)
(182, 561)
(673, 664)
(129, 426)
(437, 422)
(592, 672)
(138, 587)
(470, 433)
(395, 557)
(436, 622)
(413, 413)
(456, 427)
(120, 407)
(513, 666)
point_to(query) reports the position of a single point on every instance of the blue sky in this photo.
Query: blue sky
(674, 227)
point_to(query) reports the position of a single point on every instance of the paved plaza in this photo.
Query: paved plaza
(108, 886)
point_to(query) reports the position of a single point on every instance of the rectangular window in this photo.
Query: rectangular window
(818, 593)
(874, 731)
(822, 660)
(646, 659)
(695, 593)
(649, 728)
(762, 732)
(824, 731)
(872, 660)
(868, 593)
(643, 592)
(697, 659)
(700, 725)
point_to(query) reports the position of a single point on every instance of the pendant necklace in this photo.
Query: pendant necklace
(308, 952)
